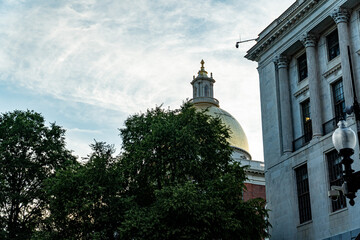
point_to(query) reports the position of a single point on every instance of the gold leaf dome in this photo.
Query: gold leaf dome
(203, 98)
(238, 137)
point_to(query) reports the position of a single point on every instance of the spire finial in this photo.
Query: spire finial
(202, 70)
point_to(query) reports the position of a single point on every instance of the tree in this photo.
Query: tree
(30, 152)
(85, 200)
(183, 181)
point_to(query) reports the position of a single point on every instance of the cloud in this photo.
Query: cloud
(78, 130)
(128, 56)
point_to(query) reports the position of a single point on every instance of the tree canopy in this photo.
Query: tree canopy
(85, 200)
(30, 152)
(174, 179)
(184, 183)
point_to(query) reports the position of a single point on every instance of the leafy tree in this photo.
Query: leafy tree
(183, 181)
(175, 179)
(86, 200)
(30, 152)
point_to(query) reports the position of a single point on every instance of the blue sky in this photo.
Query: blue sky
(87, 65)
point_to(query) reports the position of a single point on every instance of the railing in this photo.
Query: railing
(300, 142)
(330, 125)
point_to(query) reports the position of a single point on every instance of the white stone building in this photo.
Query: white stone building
(308, 59)
(203, 98)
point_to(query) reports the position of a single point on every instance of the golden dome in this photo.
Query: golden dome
(203, 98)
(238, 137)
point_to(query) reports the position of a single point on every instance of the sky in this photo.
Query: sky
(88, 65)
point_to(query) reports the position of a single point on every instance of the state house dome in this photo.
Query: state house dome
(203, 98)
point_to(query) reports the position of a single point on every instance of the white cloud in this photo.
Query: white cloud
(128, 56)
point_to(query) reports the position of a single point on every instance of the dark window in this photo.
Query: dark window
(335, 178)
(302, 67)
(339, 101)
(206, 91)
(303, 193)
(305, 106)
(339, 107)
(333, 45)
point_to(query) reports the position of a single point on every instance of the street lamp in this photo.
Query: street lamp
(344, 140)
(116, 235)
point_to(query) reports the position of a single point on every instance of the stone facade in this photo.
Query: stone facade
(304, 69)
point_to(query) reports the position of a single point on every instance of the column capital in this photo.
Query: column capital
(309, 40)
(281, 61)
(341, 15)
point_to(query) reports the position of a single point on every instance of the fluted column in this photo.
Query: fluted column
(309, 40)
(342, 16)
(285, 107)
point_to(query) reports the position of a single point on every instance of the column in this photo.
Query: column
(342, 16)
(285, 107)
(309, 40)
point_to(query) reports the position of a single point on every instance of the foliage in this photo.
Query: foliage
(85, 200)
(183, 180)
(30, 152)
(175, 179)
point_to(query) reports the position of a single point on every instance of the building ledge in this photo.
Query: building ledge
(305, 224)
(338, 211)
(332, 70)
(301, 91)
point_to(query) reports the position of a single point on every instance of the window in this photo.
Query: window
(307, 127)
(335, 178)
(302, 67)
(333, 45)
(305, 106)
(339, 101)
(339, 107)
(206, 89)
(303, 193)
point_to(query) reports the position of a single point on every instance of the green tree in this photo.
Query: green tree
(183, 181)
(85, 200)
(30, 152)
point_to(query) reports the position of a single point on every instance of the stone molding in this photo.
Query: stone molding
(332, 70)
(283, 25)
(341, 15)
(309, 40)
(301, 91)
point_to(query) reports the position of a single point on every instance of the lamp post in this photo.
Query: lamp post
(344, 140)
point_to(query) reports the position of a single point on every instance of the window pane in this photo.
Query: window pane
(305, 106)
(335, 178)
(303, 193)
(302, 67)
(333, 45)
(339, 101)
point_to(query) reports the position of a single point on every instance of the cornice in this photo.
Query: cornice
(332, 70)
(303, 90)
(257, 172)
(287, 21)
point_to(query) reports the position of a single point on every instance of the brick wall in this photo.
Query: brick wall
(254, 191)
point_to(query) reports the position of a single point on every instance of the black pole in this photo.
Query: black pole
(356, 107)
